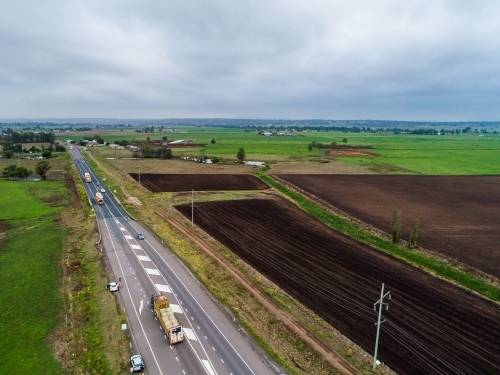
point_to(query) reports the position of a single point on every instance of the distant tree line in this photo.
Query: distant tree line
(147, 151)
(9, 149)
(28, 137)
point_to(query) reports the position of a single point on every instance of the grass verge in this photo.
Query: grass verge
(96, 343)
(30, 268)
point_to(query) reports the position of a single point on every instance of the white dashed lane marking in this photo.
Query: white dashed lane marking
(163, 288)
(144, 258)
(152, 271)
(136, 247)
(189, 334)
(208, 366)
(176, 308)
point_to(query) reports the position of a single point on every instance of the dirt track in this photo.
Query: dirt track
(431, 326)
(198, 182)
(458, 215)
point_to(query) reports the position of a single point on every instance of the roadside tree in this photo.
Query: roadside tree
(241, 155)
(413, 236)
(42, 167)
(396, 226)
(7, 154)
(21, 172)
(7, 171)
(14, 171)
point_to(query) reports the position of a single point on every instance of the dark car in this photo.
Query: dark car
(137, 362)
(140, 236)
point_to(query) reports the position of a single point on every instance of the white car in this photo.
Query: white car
(137, 363)
(113, 287)
(103, 190)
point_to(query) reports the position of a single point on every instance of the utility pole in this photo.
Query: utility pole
(139, 173)
(381, 304)
(192, 208)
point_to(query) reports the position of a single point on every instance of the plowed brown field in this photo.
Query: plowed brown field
(198, 182)
(459, 216)
(431, 326)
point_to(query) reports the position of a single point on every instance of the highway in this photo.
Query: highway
(214, 344)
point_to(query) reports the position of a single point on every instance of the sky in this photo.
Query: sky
(425, 60)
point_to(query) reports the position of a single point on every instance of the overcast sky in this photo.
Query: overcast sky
(428, 60)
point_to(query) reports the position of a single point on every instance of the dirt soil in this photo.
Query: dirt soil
(318, 167)
(178, 167)
(198, 182)
(350, 152)
(431, 326)
(458, 215)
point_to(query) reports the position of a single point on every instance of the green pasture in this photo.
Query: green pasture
(431, 155)
(30, 253)
(464, 154)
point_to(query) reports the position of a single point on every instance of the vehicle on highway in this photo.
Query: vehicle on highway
(137, 363)
(99, 198)
(160, 305)
(140, 236)
(113, 287)
(103, 190)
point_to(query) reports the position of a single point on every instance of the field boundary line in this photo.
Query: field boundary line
(330, 355)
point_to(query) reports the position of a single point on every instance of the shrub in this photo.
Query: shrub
(396, 226)
(413, 236)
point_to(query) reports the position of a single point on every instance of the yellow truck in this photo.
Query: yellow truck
(163, 312)
(99, 199)
(87, 177)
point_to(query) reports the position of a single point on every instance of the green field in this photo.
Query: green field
(464, 154)
(430, 155)
(30, 254)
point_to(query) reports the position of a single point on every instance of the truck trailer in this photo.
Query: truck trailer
(163, 312)
(87, 177)
(99, 199)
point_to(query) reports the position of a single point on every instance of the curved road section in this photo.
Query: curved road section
(213, 344)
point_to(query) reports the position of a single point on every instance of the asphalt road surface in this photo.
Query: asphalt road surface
(213, 345)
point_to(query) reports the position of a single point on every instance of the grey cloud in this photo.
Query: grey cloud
(434, 60)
